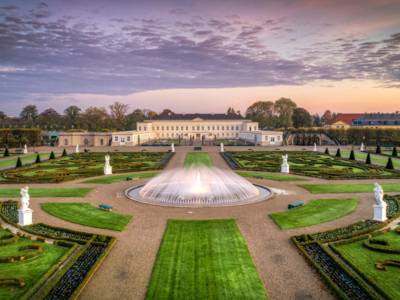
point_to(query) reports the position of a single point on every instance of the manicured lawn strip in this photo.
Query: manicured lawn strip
(271, 176)
(198, 158)
(314, 212)
(204, 260)
(45, 192)
(364, 260)
(88, 215)
(122, 177)
(26, 159)
(348, 188)
(30, 270)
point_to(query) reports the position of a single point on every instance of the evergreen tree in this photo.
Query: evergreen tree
(368, 160)
(352, 155)
(52, 156)
(19, 163)
(338, 153)
(389, 164)
(394, 152)
(64, 153)
(37, 158)
(327, 151)
(378, 149)
(6, 152)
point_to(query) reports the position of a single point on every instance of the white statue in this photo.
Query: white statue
(77, 148)
(24, 212)
(222, 147)
(362, 147)
(24, 198)
(172, 147)
(315, 147)
(25, 149)
(285, 164)
(107, 165)
(380, 204)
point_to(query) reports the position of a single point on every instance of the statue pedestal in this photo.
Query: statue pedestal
(25, 217)
(107, 170)
(285, 168)
(380, 212)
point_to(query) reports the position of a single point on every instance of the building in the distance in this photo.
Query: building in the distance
(342, 121)
(378, 120)
(195, 127)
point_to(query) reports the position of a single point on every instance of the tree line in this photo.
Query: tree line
(282, 113)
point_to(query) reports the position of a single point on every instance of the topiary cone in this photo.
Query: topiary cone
(19, 162)
(394, 152)
(389, 164)
(352, 155)
(378, 149)
(338, 153)
(368, 160)
(37, 158)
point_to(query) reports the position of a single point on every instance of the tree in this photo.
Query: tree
(263, 113)
(52, 155)
(6, 152)
(29, 115)
(389, 164)
(352, 155)
(166, 113)
(64, 153)
(327, 117)
(378, 149)
(19, 162)
(149, 114)
(118, 112)
(368, 160)
(284, 107)
(50, 119)
(394, 152)
(232, 112)
(131, 119)
(338, 153)
(95, 119)
(37, 158)
(316, 120)
(327, 151)
(71, 114)
(301, 118)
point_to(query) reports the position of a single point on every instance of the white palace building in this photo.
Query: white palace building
(200, 127)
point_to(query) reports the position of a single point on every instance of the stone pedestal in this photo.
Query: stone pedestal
(285, 168)
(221, 146)
(380, 212)
(25, 217)
(107, 170)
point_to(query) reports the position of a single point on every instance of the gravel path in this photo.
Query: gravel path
(125, 273)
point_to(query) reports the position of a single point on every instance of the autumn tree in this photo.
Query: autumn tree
(301, 118)
(71, 115)
(262, 112)
(95, 119)
(118, 112)
(29, 115)
(284, 108)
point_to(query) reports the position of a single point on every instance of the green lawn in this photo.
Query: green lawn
(204, 260)
(364, 260)
(122, 177)
(349, 188)
(88, 215)
(45, 192)
(375, 158)
(30, 270)
(8, 162)
(198, 159)
(271, 176)
(314, 212)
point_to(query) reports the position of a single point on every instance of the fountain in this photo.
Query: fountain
(198, 187)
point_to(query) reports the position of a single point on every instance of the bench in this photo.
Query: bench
(19, 151)
(295, 204)
(105, 207)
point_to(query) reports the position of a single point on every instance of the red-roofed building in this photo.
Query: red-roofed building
(343, 121)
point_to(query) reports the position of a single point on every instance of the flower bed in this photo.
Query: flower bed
(308, 164)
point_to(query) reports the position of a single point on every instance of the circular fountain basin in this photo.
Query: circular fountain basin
(198, 187)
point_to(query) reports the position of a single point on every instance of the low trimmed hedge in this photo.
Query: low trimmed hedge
(12, 282)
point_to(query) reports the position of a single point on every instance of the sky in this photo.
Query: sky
(200, 56)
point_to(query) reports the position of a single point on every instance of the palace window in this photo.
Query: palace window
(116, 138)
(128, 138)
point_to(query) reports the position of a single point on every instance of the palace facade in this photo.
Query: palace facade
(200, 127)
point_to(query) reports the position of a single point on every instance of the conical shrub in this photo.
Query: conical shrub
(6, 152)
(327, 151)
(352, 155)
(368, 160)
(338, 153)
(64, 153)
(389, 164)
(394, 152)
(52, 156)
(19, 162)
(37, 158)
(378, 150)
